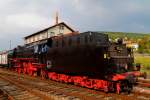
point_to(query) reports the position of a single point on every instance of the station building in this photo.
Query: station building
(41, 36)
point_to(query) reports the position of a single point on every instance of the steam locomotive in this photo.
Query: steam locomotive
(87, 59)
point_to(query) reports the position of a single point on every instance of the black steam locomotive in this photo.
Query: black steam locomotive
(87, 59)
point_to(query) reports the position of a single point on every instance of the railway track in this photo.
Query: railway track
(144, 80)
(12, 92)
(60, 91)
(3, 95)
(143, 84)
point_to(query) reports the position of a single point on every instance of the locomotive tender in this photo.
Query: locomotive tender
(87, 59)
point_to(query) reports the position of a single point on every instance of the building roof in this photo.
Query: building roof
(62, 23)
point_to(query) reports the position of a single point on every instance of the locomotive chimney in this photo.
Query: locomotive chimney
(56, 17)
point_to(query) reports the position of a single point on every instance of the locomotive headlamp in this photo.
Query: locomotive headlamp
(118, 48)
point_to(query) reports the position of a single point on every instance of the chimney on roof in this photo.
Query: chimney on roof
(56, 17)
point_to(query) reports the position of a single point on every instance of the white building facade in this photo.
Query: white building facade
(56, 30)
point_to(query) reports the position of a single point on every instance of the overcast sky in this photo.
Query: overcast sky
(19, 18)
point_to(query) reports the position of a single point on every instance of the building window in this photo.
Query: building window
(29, 40)
(43, 36)
(34, 39)
(52, 34)
(38, 38)
(61, 27)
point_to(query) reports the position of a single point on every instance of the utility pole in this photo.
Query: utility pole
(10, 44)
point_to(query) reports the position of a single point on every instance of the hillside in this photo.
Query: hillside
(142, 39)
(134, 36)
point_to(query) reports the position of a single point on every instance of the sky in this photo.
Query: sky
(19, 18)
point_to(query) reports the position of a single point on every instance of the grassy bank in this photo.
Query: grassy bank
(145, 61)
